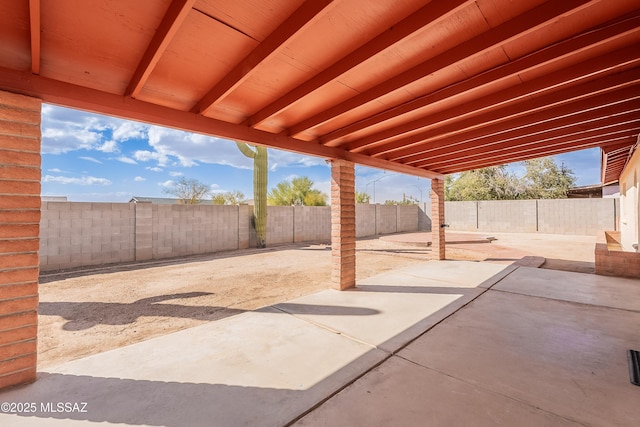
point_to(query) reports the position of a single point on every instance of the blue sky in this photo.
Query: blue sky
(89, 157)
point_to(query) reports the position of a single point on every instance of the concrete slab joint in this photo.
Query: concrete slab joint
(343, 225)
(19, 236)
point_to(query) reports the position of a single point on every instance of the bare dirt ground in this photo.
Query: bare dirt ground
(94, 310)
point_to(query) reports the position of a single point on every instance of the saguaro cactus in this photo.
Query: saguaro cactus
(260, 172)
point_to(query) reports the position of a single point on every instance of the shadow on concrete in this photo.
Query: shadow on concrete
(158, 403)
(325, 310)
(85, 315)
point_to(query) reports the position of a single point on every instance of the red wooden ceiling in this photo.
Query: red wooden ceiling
(423, 87)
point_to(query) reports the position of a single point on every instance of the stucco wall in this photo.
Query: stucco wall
(630, 203)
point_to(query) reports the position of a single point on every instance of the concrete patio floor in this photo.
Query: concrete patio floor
(438, 344)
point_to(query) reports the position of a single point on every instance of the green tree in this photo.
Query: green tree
(298, 191)
(492, 183)
(362, 197)
(234, 197)
(406, 200)
(188, 191)
(545, 180)
(260, 175)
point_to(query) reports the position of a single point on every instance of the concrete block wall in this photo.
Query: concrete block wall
(312, 224)
(386, 219)
(407, 218)
(424, 217)
(461, 215)
(279, 225)
(554, 216)
(80, 234)
(365, 220)
(180, 230)
(507, 215)
(576, 216)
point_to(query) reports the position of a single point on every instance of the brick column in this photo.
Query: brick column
(437, 219)
(19, 237)
(343, 225)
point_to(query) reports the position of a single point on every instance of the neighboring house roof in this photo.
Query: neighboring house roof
(585, 192)
(164, 200)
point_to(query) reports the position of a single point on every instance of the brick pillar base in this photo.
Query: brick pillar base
(343, 225)
(437, 219)
(19, 237)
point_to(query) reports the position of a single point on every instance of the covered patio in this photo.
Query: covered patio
(421, 87)
(441, 343)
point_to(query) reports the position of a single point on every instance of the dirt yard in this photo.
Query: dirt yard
(94, 310)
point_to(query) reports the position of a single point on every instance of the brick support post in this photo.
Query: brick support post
(343, 225)
(19, 237)
(437, 219)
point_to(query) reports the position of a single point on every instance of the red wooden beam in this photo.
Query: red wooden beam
(428, 15)
(559, 118)
(304, 16)
(629, 28)
(171, 22)
(521, 114)
(34, 27)
(532, 154)
(83, 98)
(509, 98)
(510, 30)
(548, 141)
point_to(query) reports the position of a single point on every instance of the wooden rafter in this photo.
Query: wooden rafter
(546, 141)
(506, 98)
(500, 35)
(304, 16)
(521, 113)
(34, 28)
(436, 11)
(558, 52)
(518, 155)
(173, 19)
(512, 131)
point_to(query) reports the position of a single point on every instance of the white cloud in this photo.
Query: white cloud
(172, 173)
(89, 159)
(146, 156)
(65, 130)
(129, 130)
(166, 184)
(110, 146)
(85, 180)
(154, 169)
(139, 179)
(128, 160)
(190, 149)
(54, 170)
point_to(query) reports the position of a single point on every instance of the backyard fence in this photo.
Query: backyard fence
(554, 216)
(75, 234)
